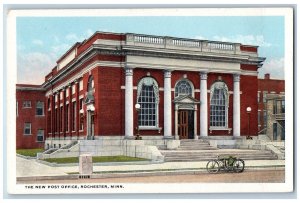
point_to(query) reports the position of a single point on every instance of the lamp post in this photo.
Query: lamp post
(138, 108)
(248, 112)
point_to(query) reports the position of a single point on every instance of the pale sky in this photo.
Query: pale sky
(42, 40)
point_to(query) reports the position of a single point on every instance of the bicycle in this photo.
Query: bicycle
(226, 163)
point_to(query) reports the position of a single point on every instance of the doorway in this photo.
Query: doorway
(186, 124)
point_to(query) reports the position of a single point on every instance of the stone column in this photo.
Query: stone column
(167, 104)
(236, 105)
(203, 104)
(128, 103)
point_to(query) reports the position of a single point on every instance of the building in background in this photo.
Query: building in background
(31, 116)
(186, 88)
(267, 86)
(275, 117)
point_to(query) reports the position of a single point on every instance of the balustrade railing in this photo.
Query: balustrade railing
(222, 46)
(166, 42)
(146, 39)
(179, 42)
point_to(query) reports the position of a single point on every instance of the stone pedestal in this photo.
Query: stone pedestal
(85, 164)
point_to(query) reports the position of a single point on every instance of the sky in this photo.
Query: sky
(42, 40)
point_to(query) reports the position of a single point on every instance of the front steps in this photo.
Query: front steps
(200, 150)
(195, 144)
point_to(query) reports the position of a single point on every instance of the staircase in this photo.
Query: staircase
(199, 150)
(195, 144)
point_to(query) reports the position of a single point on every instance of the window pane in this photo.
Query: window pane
(218, 108)
(183, 88)
(147, 100)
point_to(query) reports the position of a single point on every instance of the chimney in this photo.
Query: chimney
(267, 76)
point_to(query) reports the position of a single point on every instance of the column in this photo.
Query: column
(203, 104)
(128, 103)
(167, 104)
(236, 105)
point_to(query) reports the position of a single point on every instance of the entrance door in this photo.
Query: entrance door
(186, 124)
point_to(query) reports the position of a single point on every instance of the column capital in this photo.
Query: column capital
(128, 71)
(167, 73)
(203, 75)
(236, 77)
(76, 81)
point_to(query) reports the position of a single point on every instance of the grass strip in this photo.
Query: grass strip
(29, 152)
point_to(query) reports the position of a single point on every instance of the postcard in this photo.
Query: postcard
(114, 101)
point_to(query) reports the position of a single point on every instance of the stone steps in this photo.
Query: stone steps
(195, 145)
(204, 157)
(200, 150)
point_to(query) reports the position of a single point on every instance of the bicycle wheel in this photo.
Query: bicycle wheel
(239, 165)
(212, 166)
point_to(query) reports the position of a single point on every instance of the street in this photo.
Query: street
(248, 176)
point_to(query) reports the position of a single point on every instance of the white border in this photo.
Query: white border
(153, 188)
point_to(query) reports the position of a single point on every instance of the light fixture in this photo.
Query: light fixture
(137, 106)
(248, 109)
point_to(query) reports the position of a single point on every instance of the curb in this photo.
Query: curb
(121, 174)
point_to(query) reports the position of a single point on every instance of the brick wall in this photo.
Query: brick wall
(29, 115)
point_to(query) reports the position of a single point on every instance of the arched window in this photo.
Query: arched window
(148, 98)
(219, 97)
(184, 87)
(91, 85)
(90, 91)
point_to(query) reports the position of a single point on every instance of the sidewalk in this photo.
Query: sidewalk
(31, 168)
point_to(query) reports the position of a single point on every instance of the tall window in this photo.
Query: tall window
(219, 105)
(148, 98)
(27, 128)
(74, 116)
(61, 119)
(40, 108)
(67, 118)
(258, 97)
(91, 85)
(26, 104)
(56, 120)
(40, 135)
(49, 104)
(258, 117)
(81, 118)
(183, 87)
